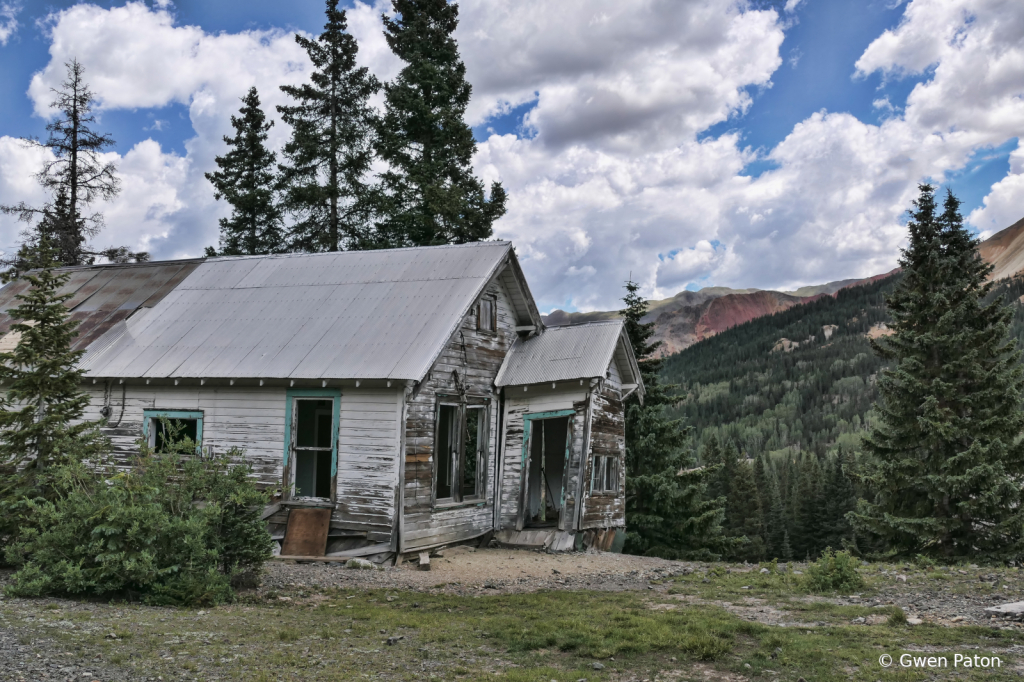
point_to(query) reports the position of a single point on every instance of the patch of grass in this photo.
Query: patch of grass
(288, 635)
(938, 575)
(834, 572)
(897, 617)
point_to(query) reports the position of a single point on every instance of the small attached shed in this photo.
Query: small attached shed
(363, 388)
(564, 437)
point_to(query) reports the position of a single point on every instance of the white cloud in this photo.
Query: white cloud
(8, 20)
(1005, 203)
(612, 176)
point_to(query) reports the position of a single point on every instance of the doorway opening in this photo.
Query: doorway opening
(314, 420)
(545, 482)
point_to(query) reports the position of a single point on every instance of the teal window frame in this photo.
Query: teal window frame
(333, 394)
(149, 415)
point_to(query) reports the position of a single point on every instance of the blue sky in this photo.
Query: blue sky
(686, 143)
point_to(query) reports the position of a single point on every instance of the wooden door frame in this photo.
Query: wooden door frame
(524, 473)
(292, 395)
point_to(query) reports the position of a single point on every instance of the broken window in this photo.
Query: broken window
(163, 430)
(486, 319)
(460, 449)
(313, 449)
(604, 475)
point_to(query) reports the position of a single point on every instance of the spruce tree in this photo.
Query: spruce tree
(428, 194)
(42, 405)
(744, 515)
(668, 511)
(246, 181)
(949, 459)
(840, 498)
(327, 160)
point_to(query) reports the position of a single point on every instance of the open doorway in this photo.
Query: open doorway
(313, 448)
(545, 480)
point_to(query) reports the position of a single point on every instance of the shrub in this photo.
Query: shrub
(834, 571)
(174, 530)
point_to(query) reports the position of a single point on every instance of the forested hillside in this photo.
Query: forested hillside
(813, 397)
(798, 388)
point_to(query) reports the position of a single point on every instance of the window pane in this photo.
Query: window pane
(471, 453)
(447, 420)
(486, 321)
(305, 473)
(609, 469)
(168, 432)
(599, 465)
(307, 434)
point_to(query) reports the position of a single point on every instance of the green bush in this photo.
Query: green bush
(834, 572)
(172, 530)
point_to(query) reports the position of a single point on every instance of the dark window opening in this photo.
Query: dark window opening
(460, 448)
(486, 315)
(604, 476)
(549, 445)
(314, 421)
(168, 433)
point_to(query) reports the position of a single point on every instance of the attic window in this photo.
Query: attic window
(486, 315)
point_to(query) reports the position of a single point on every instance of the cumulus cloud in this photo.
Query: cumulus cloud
(8, 20)
(612, 174)
(1005, 203)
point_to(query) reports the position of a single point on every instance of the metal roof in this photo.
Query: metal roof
(105, 295)
(582, 351)
(347, 315)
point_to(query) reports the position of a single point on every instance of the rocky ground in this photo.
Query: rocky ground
(38, 637)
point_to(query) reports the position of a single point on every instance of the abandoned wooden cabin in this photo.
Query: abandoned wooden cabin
(397, 400)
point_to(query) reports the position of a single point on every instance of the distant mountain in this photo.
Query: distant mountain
(692, 316)
(1005, 250)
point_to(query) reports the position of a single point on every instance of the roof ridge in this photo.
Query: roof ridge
(300, 254)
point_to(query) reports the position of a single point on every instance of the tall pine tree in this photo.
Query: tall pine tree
(76, 176)
(246, 180)
(947, 444)
(668, 512)
(429, 195)
(327, 160)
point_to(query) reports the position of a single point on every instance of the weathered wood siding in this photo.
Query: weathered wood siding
(252, 419)
(607, 438)
(476, 356)
(539, 398)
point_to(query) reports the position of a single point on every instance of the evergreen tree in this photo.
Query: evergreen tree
(42, 406)
(246, 180)
(809, 503)
(668, 511)
(840, 498)
(76, 177)
(947, 440)
(744, 515)
(429, 194)
(712, 458)
(327, 159)
(778, 533)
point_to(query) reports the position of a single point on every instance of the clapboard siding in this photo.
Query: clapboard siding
(476, 357)
(253, 421)
(607, 438)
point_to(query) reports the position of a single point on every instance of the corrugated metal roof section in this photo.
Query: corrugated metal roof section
(579, 351)
(105, 295)
(347, 315)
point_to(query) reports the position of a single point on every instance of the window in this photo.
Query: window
(163, 429)
(486, 316)
(604, 476)
(460, 448)
(313, 449)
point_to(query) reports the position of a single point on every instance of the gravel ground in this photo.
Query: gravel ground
(466, 570)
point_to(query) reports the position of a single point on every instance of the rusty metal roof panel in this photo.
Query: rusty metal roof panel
(356, 314)
(581, 351)
(105, 295)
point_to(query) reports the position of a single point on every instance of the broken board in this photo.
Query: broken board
(307, 532)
